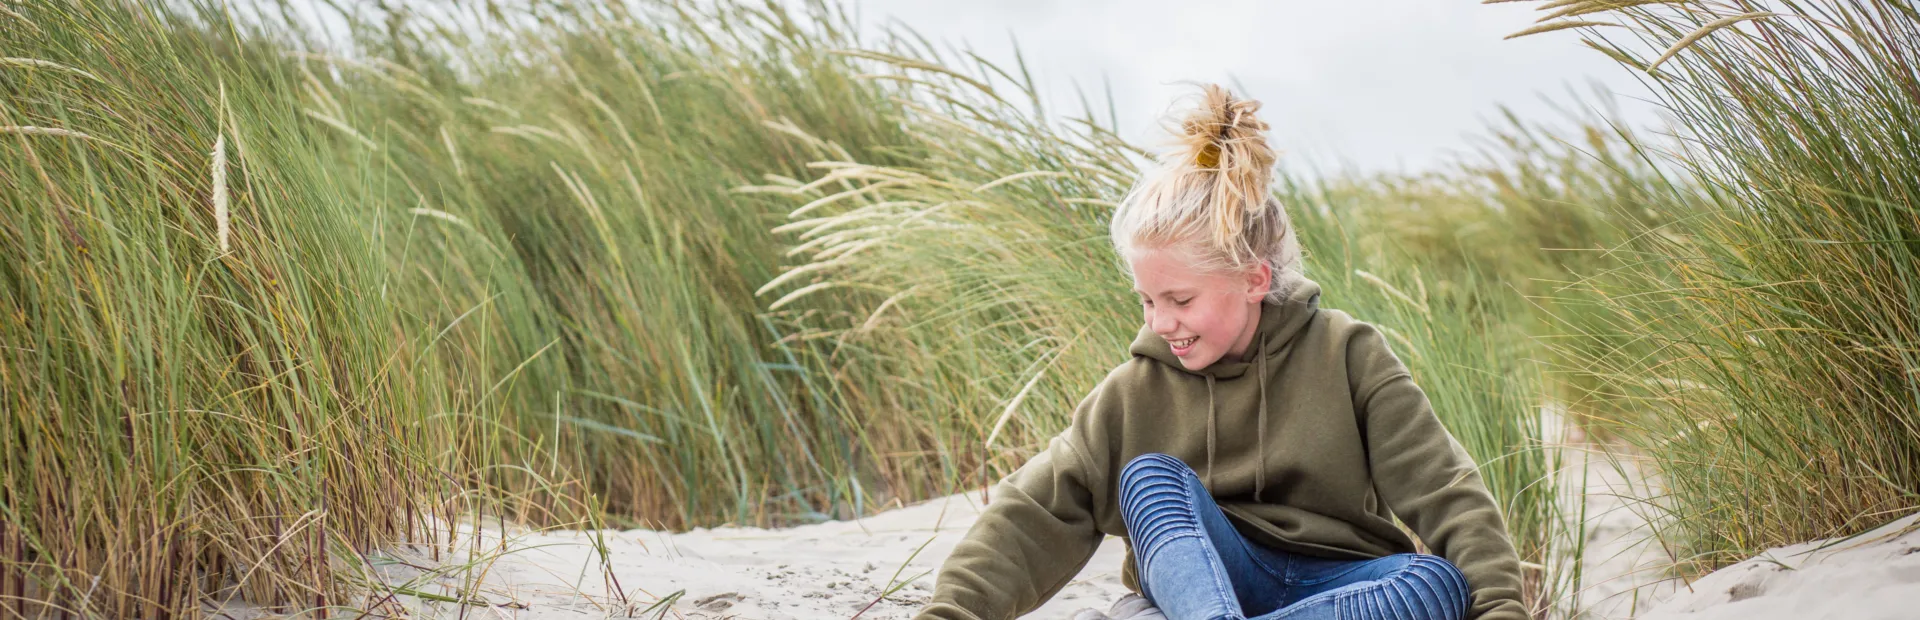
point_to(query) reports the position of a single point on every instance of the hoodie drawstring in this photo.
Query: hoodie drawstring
(1260, 434)
(1210, 426)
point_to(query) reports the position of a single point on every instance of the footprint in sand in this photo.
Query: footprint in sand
(718, 602)
(1744, 590)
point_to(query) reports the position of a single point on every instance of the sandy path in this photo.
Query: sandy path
(1623, 568)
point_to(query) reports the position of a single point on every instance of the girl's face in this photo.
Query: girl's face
(1204, 316)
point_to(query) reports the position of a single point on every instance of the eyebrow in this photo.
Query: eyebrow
(1171, 291)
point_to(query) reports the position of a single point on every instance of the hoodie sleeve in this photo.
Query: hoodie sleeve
(1429, 481)
(1037, 532)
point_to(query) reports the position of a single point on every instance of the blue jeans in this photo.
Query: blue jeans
(1193, 565)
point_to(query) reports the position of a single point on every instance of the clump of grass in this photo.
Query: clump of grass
(266, 307)
(185, 413)
(1770, 344)
(665, 389)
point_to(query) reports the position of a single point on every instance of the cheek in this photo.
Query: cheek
(1222, 319)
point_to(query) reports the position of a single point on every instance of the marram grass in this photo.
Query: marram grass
(263, 310)
(1764, 351)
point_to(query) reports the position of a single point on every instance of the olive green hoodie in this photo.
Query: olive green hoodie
(1285, 439)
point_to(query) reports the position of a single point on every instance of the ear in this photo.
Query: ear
(1259, 280)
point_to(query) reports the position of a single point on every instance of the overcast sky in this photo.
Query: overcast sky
(1378, 84)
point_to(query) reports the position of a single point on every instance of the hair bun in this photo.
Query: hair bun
(1223, 136)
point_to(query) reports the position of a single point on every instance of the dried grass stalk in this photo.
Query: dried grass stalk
(220, 214)
(1557, 26)
(35, 63)
(1708, 29)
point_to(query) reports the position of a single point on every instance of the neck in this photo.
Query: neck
(1243, 350)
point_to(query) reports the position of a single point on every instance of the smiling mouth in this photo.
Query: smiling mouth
(1182, 344)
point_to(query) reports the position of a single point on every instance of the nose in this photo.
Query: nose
(1161, 322)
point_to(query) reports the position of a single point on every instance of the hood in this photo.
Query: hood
(1279, 323)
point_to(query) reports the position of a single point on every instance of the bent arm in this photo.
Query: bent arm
(1040, 528)
(1430, 482)
(1037, 533)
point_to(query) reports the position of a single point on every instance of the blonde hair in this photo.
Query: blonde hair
(1211, 197)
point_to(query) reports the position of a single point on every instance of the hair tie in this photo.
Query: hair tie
(1208, 157)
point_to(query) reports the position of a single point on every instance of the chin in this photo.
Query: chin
(1192, 365)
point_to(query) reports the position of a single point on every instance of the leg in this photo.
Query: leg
(1193, 564)
(1405, 586)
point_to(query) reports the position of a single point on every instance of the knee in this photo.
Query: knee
(1149, 476)
(1150, 465)
(1434, 578)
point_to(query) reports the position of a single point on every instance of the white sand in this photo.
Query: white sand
(834, 570)
(1873, 576)
(829, 570)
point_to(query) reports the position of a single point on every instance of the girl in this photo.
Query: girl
(1255, 449)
